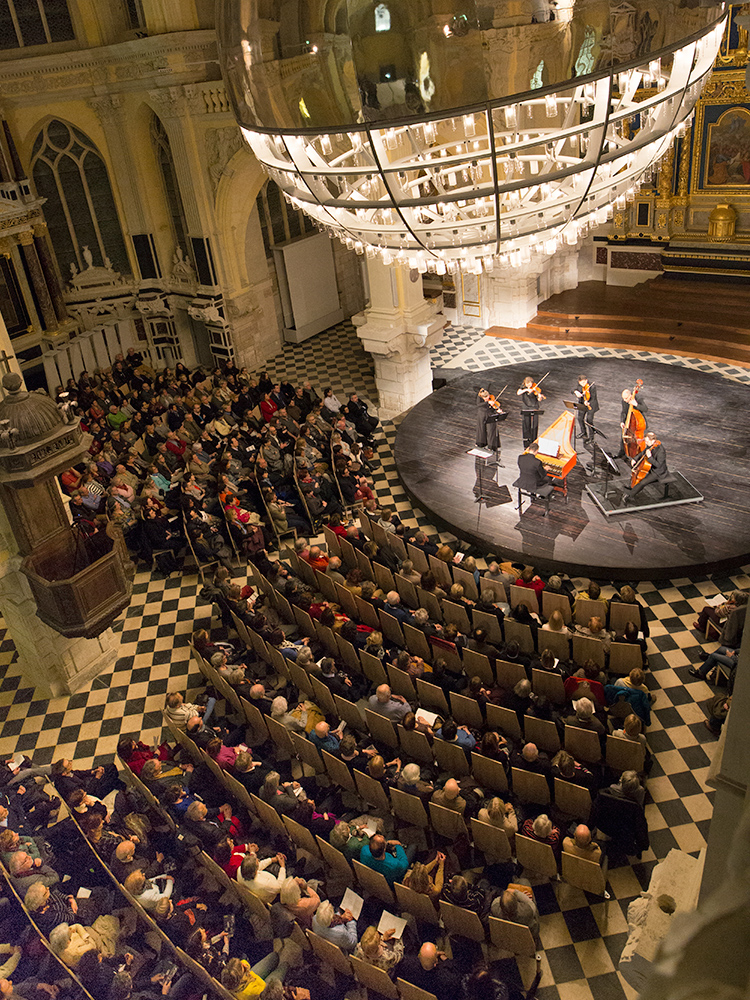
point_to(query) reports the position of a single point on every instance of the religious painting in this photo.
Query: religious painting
(470, 295)
(728, 150)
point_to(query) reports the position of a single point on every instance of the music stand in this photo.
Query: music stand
(597, 432)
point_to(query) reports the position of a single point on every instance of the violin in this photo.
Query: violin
(534, 388)
(584, 394)
(642, 466)
(635, 424)
(494, 401)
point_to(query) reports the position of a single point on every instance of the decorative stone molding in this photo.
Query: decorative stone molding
(208, 98)
(154, 304)
(221, 145)
(183, 272)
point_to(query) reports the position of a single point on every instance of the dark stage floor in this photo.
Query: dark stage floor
(700, 418)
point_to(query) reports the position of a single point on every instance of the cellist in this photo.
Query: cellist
(655, 454)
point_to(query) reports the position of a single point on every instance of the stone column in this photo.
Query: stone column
(110, 112)
(49, 269)
(398, 328)
(26, 242)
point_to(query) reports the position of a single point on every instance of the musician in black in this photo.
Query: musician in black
(532, 474)
(628, 399)
(656, 454)
(488, 435)
(530, 395)
(587, 404)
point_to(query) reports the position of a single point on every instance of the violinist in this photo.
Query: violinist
(488, 411)
(530, 394)
(588, 404)
(655, 454)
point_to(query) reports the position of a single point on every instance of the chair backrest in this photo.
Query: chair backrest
(542, 732)
(530, 787)
(239, 792)
(269, 817)
(406, 591)
(252, 903)
(418, 557)
(307, 752)
(520, 633)
(455, 614)
(304, 621)
(490, 840)
(556, 602)
(536, 856)
(466, 578)
(373, 668)
(364, 565)
(285, 608)
(338, 772)
(330, 954)
(585, 647)
(447, 823)
(409, 808)
(572, 799)
(583, 874)
(373, 978)
(504, 719)
(478, 665)
(401, 683)
(373, 882)
(415, 745)
(498, 589)
(430, 603)
(620, 614)
(448, 651)
(466, 711)
(509, 936)
(416, 642)
(549, 684)
(349, 713)
(583, 744)
(586, 609)
(322, 696)
(555, 642)
(372, 792)
(432, 697)
(334, 860)
(460, 922)
(391, 628)
(525, 596)
(332, 541)
(326, 585)
(301, 836)
(489, 622)
(624, 657)
(366, 613)
(382, 729)
(254, 718)
(383, 577)
(625, 755)
(397, 544)
(346, 600)
(417, 903)
(348, 553)
(348, 653)
(450, 757)
(301, 679)
(509, 673)
(489, 773)
(279, 662)
(441, 572)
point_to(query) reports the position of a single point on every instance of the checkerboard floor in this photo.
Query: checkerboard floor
(582, 936)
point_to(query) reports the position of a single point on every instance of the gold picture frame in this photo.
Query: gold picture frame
(721, 155)
(470, 295)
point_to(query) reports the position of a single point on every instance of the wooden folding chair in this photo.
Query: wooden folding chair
(326, 586)
(307, 752)
(301, 679)
(418, 557)
(466, 579)
(416, 903)
(451, 758)
(520, 633)
(415, 745)
(269, 817)
(279, 663)
(322, 696)
(280, 736)
(583, 744)
(348, 553)
(364, 565)
(573, 800)
(478, 665)
(431, 605)
(529, 787)
(373, 668)
(555, 642)
(346, 599)
(252, 903)
(406, 591)
(447, 823)
(504, 719)
(407, 991)
(441, 572)
(584, 874)
(285, 608)
(587, 648)
(409, 808)
(460, 922)
(301, 836)
(381, 729)
(490, 840)
(466, 711)
(338, 772)
(332, 541)
(304, 621)
(432, 697)
(448, 651)
(509, 936)
(498, 589)
(372, 792)
(391, 628)
(416, 642)
(624, 755)
(455, 614)
(401, 683)
(330, 954)
(383, 577)
(367, 614)
(349, 713)
(334, 860)
(373, 978)
(509, 673)
(624, 657)
(544, 682)
(542, 732)
(349, 655)
(379, 534)
(483, 619)
(525, 596)
(536, 856)
(556, 602)
(488, 773)
(239, 792)
(585, 610)
(374, 883)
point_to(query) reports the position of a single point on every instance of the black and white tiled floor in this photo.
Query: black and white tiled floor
(582, 936)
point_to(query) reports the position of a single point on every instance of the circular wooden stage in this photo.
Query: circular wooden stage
(701, 418)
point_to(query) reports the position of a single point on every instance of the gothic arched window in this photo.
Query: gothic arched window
(172, 194)
(34, 22)
(69, 172)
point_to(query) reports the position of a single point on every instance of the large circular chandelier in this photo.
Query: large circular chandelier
(450, 134)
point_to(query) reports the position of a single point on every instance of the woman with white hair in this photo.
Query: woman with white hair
(338, 928)
(280, 713)
(543, 830)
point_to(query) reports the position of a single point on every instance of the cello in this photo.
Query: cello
(642, 467)
(635, 425)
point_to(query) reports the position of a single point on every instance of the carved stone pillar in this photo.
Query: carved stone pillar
(398, 329)
(108, 109)
(41, 243)
(28, 249)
